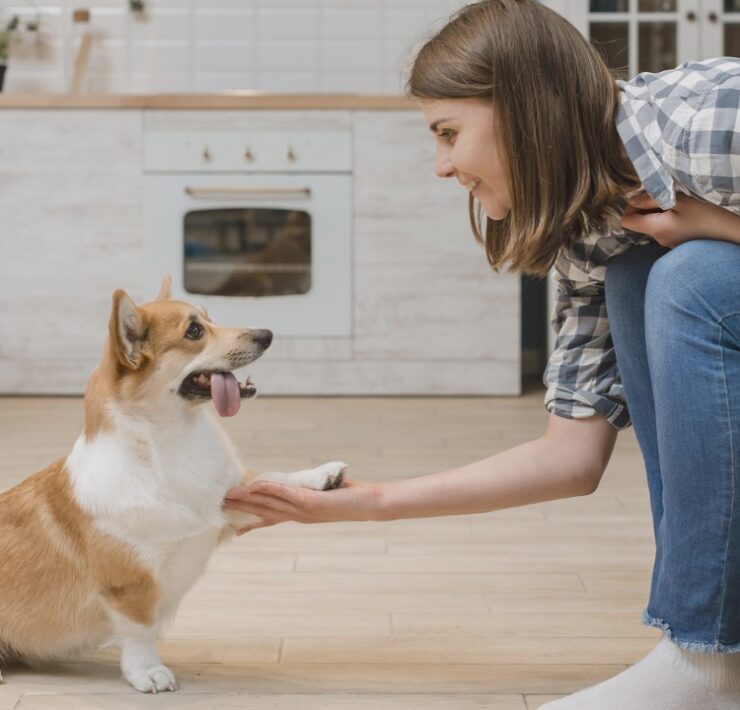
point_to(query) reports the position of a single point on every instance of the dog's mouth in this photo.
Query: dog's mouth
(222, 387)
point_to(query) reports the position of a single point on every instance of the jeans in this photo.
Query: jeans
(674, 316)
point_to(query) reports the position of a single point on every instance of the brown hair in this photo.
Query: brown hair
(555, 103)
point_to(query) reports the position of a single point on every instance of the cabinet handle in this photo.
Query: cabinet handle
(713, 17)
(206, 154)
(248, 155)
(691, 16)
(235, 192)
(291, 154)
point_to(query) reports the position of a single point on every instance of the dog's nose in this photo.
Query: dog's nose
(263, 337)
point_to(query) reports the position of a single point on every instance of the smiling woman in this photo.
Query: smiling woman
(551, 147)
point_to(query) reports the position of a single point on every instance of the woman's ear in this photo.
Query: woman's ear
(165, 288)
(128, 331)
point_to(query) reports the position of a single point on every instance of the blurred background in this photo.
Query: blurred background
(263, 153)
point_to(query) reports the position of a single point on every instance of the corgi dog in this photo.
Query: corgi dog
(100, 547)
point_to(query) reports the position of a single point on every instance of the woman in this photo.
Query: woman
(580, 172)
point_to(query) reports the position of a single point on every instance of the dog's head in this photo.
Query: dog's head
(169, 352)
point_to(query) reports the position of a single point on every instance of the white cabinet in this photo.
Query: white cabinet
(428, 314)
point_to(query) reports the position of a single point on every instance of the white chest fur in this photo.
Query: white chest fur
(158, 487)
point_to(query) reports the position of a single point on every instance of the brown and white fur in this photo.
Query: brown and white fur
(100, 547)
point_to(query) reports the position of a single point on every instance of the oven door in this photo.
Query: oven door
(269, 250)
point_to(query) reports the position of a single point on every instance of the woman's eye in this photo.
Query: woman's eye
(195, 331)
(447, 136)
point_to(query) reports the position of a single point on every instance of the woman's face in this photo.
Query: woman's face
(468, 150)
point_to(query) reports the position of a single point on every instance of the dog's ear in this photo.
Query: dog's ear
(128, 331)
(165, 288)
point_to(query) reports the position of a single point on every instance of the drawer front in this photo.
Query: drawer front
(283, 151)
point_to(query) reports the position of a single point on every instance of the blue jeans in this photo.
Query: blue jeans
(675, 322)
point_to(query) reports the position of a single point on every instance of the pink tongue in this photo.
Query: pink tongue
(225, 393)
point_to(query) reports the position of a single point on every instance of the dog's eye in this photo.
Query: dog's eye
(195, 331)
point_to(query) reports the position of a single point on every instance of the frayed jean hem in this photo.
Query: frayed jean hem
(695, 646)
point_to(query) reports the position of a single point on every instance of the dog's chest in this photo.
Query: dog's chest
(155, 491)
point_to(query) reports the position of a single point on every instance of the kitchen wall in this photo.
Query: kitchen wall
(352, 46)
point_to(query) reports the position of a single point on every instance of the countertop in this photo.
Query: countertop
(225, 100)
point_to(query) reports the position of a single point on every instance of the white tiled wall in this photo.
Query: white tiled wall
(353, 46)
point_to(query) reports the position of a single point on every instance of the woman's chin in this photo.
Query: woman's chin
(495, 212)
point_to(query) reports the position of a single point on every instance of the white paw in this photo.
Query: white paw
(326, 477)
(153, 680)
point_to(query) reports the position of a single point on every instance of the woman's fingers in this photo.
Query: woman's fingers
(255, 526)
(643, 201)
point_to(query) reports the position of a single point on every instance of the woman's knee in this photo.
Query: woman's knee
(700, 275)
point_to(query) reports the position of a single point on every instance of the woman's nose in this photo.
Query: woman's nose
(443, 167)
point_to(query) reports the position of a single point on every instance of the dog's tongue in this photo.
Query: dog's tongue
(225, 393)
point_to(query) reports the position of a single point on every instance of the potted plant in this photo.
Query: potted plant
(6, 34)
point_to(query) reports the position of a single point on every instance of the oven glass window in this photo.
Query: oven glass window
(247, 252)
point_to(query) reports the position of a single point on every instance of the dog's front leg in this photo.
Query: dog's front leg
(140, 662)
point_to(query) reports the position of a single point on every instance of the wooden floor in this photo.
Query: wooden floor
(504, 610)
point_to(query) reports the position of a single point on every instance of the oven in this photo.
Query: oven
(256, 228)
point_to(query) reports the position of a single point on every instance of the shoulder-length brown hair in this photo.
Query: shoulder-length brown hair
(555, 102)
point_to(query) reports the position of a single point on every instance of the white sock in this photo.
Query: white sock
(668, 678)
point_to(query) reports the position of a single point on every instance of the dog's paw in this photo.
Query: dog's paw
(329, 475)
(153, 680)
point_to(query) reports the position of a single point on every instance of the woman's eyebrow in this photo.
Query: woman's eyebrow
(433, 127)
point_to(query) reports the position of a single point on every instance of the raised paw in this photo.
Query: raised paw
(153, 680)
(323, 478)
(335, 477)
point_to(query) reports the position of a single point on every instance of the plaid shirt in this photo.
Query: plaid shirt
(681, 130)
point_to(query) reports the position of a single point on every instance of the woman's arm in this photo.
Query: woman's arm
(689, 219)
(567, 460)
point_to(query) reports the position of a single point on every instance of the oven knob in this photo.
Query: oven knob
(291, 154)
(248, 155)
(206, 154)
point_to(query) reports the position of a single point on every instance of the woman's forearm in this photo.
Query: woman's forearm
(539, 470)
(567, 460)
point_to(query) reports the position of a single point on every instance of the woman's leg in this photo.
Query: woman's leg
(675, 321)
(692, 328)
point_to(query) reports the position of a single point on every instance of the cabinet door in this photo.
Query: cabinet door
(643, 35)
(720, 22)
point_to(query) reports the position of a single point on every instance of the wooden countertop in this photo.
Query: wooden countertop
(225, 100)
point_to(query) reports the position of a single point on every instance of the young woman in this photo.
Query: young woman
(631, 192)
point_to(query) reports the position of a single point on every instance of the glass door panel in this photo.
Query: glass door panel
(609, 6)
(657, 46)
(732, 40)
(612, 41)
(731, 27)
(657, 6)
(247, 252)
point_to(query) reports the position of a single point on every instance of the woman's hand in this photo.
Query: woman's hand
(688, 219)
(277, 503)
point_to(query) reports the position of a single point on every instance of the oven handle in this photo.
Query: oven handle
(206, 193)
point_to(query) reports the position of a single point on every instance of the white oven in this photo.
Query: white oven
(256, 227)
